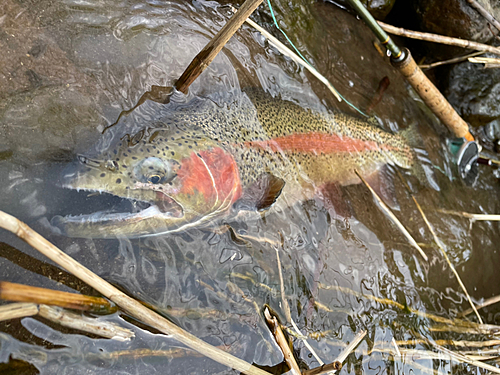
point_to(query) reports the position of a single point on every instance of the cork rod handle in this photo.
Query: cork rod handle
(432, 96)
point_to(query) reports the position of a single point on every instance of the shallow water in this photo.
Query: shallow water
(73, 66)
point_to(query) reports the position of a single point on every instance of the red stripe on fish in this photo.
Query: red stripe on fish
(315, 142)
(212, 173)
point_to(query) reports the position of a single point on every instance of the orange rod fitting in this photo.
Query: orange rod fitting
(432, 96)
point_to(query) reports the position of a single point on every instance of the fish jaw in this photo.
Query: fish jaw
(203, 186)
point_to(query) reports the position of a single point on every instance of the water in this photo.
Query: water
(90, 60)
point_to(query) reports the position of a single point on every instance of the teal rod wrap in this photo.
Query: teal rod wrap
(375, 27)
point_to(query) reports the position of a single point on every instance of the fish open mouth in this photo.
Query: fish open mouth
(104, 207)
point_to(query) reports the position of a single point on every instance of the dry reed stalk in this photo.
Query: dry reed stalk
(286, 306)
(393, 218)
(473, 217)
(450, 61)
(439, 39)
(292, 55)
(465, 359)
(282, 342)
(488, 302)
(203, 59)
(24, 293)
(484, 13)
(128, 304)
(461, 344)
(441, 248)
(82, 323)
(449, 325)
(487, 61)
(17, 310)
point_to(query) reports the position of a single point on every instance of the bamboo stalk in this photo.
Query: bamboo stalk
(24, 293)
(131, 306)
(282, 342)
(17, 310)
(393, 217)
(435, 38)
(82, 323)
(203, 59)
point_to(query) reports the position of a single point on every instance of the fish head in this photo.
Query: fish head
(184, 181)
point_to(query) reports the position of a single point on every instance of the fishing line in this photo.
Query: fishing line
(306, 61)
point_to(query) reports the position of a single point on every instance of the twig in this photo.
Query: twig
(450, 61)
(203, 59)
(439, 39)
(24, 293)
(393, 217)
(17, 310)
(133, 307)
(282, 342)
(292, 55)
(473, 217)
(441, 248)
(141, 353)
(82, 323)
(487, 61)
(488, 302)
(324, 369)
(484, 13)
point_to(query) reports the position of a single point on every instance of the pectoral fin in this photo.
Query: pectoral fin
(262, 194)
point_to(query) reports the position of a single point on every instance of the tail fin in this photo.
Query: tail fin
(422, 167)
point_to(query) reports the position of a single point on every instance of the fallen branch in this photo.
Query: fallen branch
(131, 306)
(25, 293)
(435, 38)
(203, 59)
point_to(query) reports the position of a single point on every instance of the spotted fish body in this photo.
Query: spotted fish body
(206, 158)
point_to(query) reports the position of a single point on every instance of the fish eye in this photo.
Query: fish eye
(154, 179)
(154, 170)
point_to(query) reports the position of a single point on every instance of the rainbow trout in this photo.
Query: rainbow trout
(206, 162)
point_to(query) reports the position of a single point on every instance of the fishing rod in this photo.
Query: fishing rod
(466, 149)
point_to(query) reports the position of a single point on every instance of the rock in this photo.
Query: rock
(378, 8)
(456, 18)
(474, 92)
